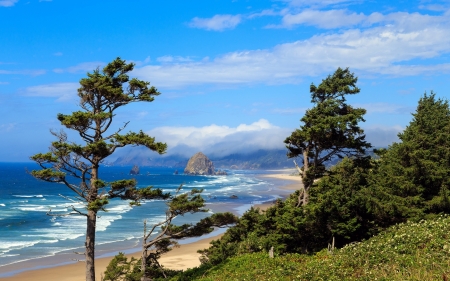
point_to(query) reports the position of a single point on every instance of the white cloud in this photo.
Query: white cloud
(173, 59)
(81, 67)
(58, 54)
(7, 127)
(62, 91)
(139, 63)
(4, 83)
(221, 140)
(216, 23)
(384, 49)
(264, 13)
(317, 4)
(434, 7)
(324, 19)
(8, 3)
(32, 72)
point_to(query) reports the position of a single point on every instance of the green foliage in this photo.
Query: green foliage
(417, 169)
(166, 238)
(49, 175)
(120, 269)
(101, 94)
(330, 129)
(354, 200)
(411, 251)
(139, 139)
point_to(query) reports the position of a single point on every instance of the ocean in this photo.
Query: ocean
(27, 233)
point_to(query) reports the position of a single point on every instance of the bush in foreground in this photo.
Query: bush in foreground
(410, 251)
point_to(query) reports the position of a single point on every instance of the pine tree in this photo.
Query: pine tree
(329, 130)
(77, 166)
(417, 168)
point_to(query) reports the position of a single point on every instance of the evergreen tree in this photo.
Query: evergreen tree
(156, 244)
(330, 129)
(417, 169)
(77, 165)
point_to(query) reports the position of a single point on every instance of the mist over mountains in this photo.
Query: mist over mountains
(260, 159)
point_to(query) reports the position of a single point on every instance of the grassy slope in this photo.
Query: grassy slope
(411, 251)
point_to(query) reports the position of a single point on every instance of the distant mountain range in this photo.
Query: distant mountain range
(260, 159)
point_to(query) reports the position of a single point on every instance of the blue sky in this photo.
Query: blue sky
(234, 75)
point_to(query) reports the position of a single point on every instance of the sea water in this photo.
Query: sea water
(27, 232)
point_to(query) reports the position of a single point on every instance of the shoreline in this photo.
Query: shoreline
(181, 258)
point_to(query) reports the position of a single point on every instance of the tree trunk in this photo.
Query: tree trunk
(90, 245)
(303, 196)
(91, 224)
(144, 253)
(306, 183)
(143, 261)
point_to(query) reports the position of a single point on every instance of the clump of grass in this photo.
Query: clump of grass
(410, 251)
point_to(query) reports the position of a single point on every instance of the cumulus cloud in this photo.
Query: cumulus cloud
(221, 140)
(63, 92)
(383, 49)
(216, 23)
(8, 3)
(81, 67)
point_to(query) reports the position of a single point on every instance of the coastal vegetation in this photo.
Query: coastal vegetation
(367, 218)
(69, 163)
(374, 214)
(407, 251)
(329, 129)
(163, 236)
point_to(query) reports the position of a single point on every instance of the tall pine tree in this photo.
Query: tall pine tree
(77, 166)
(329, 130)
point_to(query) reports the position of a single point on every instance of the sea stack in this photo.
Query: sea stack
(199, 164)
(134, 170)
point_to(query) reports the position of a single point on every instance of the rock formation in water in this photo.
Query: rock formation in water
(134, 170)
(199, 164)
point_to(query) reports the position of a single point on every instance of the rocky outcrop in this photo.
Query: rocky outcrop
(134, 170)
(199, 164)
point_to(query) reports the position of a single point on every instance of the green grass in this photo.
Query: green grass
(410, 251)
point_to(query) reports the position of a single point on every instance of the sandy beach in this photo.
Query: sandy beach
(182, 257)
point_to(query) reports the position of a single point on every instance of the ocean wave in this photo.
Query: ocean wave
(29, 196)
(104, 221)
(6, 247)
(32, 208)
(2, 205)
(120, 209)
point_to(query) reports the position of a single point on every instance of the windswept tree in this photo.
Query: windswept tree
(329, 130)
(163, 236)
(77, 165)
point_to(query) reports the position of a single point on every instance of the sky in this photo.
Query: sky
(234, 75)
